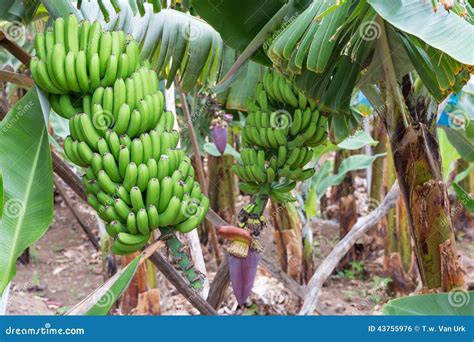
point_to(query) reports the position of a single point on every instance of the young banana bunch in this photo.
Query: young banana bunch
(280, 130)
(136, 177)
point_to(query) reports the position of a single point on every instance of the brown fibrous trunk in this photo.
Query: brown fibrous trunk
(418, 166)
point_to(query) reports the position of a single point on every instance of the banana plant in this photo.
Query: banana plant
(334, 47)
(25, 221)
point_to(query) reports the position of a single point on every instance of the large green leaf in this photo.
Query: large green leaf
(464, 174)
(182, 42)
(15, 10)
(357, 140)
(58, 9)
(313, 196)
(99, 302)
(343, 125)
(400, 59)
(1, 194)
(449, 155)
(244, 87)
(439, 304)
(353, 163)
(462, 143)
(211, 149)
(25, 162)
(444, 31)
(239, 22)
(254, 48)
(464, 197)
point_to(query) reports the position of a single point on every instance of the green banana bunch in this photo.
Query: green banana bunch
(73, 57)
(136, 184)
(136, 177)
(281, 92)
(277, 143)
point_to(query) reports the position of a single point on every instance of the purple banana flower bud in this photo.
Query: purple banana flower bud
(219, 135)
(228, 117)
(242, 274)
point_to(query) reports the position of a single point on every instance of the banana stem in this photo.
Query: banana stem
(182, 261)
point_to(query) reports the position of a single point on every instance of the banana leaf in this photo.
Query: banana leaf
(442, 30)
(456, 302)
(357, 140)
(464, 197)
(1, 194)
(461, 142)
(25, 162)
(239, 22)
(99, 302)
(353, 163)
(244, 87)
(16, 10)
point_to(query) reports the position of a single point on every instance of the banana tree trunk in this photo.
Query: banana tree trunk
(417, 162)
(399, 261)
(288, 240)
(222, 187)
(418, 166)
(347, 206)
(138, 285)
(376, 182)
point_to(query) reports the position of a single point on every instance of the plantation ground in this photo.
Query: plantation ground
(64, 268)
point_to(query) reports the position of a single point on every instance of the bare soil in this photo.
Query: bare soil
(64, 268)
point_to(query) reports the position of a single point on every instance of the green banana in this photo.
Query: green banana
(115, 227)
(59, 74)
(72, 33)
(166, 192)
(130, 239)
(143, 177)
(170, 213)
(110, 71)
(110, 166)
(136, 151)
(132, 223)
(136, 198)
(106, 183)
(153, 217)
(142, 222)
(71, 76)
(81, 71)
(130, 178)
(121, 208)
(133, 128)
(153, 192)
